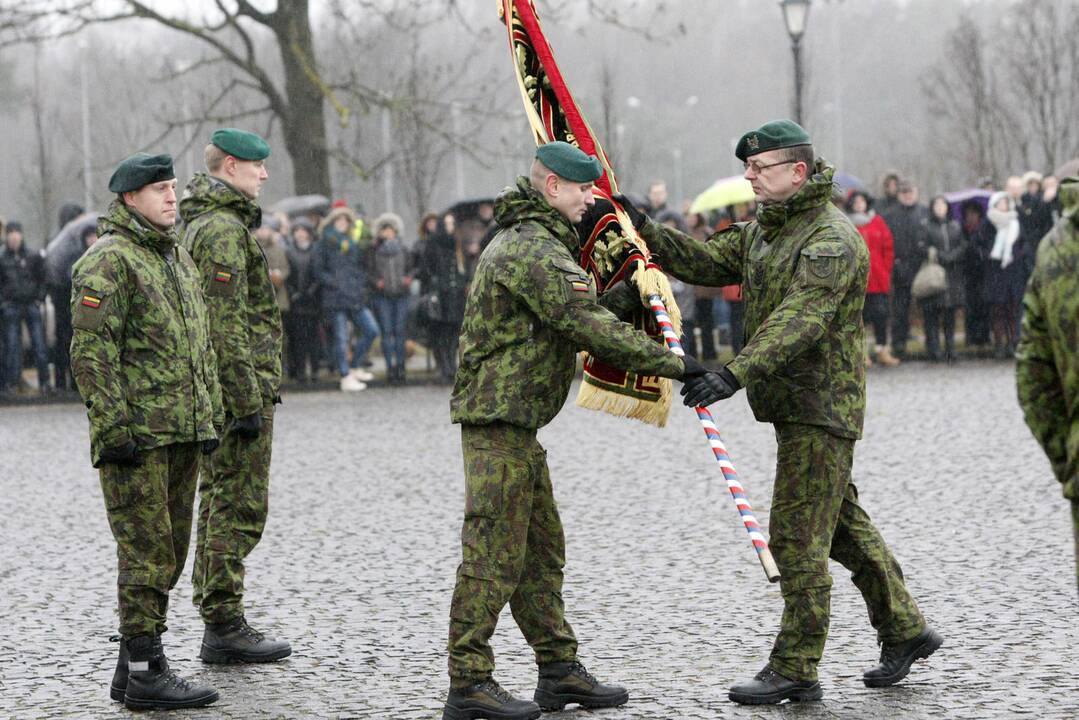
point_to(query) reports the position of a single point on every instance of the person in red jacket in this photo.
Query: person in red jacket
(878, 238)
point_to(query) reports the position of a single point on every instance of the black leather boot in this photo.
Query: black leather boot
(895, 660)
(238, 642)
(487, 699)
(769, 687)
(569, 682)
(151, 684)
(119, 677)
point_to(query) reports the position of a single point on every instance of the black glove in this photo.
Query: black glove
(709, 388)
(121, 455)
(693, 369)
(208, 446)
(249, 426)
(635, 215)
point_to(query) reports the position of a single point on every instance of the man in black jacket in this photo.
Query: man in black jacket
(905, 220)
(22, 290)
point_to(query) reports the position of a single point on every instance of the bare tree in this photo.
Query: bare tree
(231, 33)
(1042, 70)
(961, 92)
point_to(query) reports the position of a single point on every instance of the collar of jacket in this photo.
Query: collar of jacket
(122, 220)
(524, 203)
(816, 192)
(205, 193)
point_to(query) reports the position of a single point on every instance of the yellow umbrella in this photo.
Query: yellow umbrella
(728, 191)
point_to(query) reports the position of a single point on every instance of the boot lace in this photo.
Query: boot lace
(496, 691)
(582, 672)
(249, 632)
(171, 678)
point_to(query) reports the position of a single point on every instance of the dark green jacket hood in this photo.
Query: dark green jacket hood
(119, 219)
(816, 192)
(204, 194)
(523, 203)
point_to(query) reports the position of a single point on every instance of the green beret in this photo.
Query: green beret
(569, 161)
(771, 136)
(140, 170)
(241, 144)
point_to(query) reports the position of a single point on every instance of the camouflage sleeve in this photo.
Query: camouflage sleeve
(1041, 393)
(825, 273)
(223, 264)
(560, 293)
(99, 307)
(715, 262)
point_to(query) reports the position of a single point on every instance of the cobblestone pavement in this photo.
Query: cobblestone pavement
(357, 564)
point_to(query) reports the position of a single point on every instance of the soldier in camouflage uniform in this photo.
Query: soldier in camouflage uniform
(1047, 372)
(803, 269)
(530, 310)
(143, 363)
(219, 214)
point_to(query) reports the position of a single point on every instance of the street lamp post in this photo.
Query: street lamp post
(87, 180)
(795, 15)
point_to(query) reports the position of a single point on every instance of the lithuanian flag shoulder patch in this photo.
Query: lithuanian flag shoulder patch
(223, 276)
(91, 301)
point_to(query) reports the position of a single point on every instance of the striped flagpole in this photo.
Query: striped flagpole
(738, 493)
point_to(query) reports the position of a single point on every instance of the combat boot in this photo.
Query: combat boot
(569, 682)
(151, 684)
(487, 699)
(237, 642)
(119, 677)
(895, 660)
(769, 687)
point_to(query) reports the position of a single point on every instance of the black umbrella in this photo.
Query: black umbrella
(67, 247)
(299, 205)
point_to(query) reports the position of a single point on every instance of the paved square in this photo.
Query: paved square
(662, 586)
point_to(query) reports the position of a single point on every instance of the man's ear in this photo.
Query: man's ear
(229, 165)
(551, 185)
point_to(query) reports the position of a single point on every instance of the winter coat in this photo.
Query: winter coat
(276, 259)
(1035, 221)
(340, 266)
(447, 278)
(533, 308)
(141, 352)
(245, 322)
(22, 275)
(301, 283)
(389, 266)
(878, 238)
(905, 222)
(951, 248)
(1047, 371)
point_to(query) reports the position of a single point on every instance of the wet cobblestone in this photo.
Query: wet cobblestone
(357, 564)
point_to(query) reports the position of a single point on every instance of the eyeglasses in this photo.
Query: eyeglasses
(757, 167)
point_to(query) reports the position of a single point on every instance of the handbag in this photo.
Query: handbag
(931, 279)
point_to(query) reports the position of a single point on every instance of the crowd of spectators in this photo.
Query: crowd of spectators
(984, 242)
(344, 282)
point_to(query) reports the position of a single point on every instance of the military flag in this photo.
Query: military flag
(610, 248)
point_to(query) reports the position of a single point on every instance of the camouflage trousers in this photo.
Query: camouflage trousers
(815, 515)
(234, 499)
(512, 550)
(150, 510)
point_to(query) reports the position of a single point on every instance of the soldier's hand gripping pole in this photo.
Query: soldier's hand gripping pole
(738, 493)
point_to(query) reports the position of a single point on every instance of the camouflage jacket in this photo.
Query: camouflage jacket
(530, 309)
(803, 269)
(1047, 372)
(141, 352)
(245, 322)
